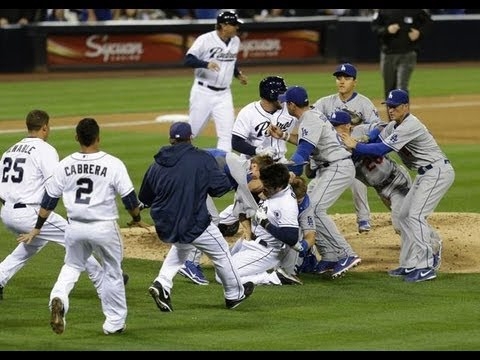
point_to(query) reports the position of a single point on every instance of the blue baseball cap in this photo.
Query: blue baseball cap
(296, 94)
(340, 118)
(181, 131)
(346, 69)
(397, 97)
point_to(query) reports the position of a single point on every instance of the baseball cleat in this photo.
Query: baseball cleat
(193, 272)
(287, 279)
(421, 275)
(1, 292)
(323, 266)
(401, 271)
(57, 321)
(248, 290)
(161, 297)
(364, 226)
(345, 264)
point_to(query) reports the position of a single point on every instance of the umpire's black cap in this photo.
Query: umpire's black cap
(228, 17)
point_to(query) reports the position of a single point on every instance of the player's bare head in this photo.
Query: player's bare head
(87, 131)
(299, 186)
(180, 131)
(270, 87)
(262, 160)
(274, 178)
(36, 119)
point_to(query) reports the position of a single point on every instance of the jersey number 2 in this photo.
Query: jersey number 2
(85, 188)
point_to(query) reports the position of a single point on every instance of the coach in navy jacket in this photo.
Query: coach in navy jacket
(176, 185)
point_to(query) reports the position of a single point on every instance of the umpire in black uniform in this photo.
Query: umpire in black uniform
(399, 32)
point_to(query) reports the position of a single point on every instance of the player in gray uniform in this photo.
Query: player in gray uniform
(390, 180)
(88, 181)
(25, 168)
(318, 138)
(347, 98)
(419, 151)
(213, 55)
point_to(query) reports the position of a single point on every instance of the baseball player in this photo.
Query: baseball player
(275, 227)
(88, 181)
(285, 273)
(244, 177)
(418, 150)
(250, 134)
(213, 55)
(347, 98)
(25, 168)
(390, 180)
(317, 138)
(175, 187)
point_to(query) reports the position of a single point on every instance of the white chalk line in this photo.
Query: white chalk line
(454, 104)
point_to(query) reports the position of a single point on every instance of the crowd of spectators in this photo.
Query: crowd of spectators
(25, 16)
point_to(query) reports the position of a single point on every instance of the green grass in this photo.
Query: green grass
(362, 311)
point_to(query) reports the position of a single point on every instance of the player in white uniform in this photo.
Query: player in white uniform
(251, 135)
(25, 168)
(274, 229)
(213, 55)
(347, 98)
(318, 139)
(418, 150)
(89, 181)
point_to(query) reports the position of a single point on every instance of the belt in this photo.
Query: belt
(328, 163)
(423, 169)
(211, 87)
(15, 206)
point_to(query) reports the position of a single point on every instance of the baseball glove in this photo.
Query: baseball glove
(356, 118)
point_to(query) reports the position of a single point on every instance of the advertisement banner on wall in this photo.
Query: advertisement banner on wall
(105, 49)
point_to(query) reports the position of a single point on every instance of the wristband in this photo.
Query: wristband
(40, 222)
(136, 218)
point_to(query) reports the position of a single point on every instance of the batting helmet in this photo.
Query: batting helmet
(271, 87)
(228, 17)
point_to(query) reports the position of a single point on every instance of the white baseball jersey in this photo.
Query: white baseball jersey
(413, 142)
(209, 47)
(90, 183)
(25, 168)
(358, 103)
(210, 95)
(253, 121)
(254, 258)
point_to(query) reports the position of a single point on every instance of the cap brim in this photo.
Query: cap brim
(282, 97)
(391, 103)
(342, 73)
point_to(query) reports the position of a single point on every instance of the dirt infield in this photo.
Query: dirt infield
(379, 248)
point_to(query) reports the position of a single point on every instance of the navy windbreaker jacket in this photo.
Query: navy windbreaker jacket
(175, 187)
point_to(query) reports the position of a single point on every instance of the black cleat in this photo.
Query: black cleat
(248, 288)
(161, 297)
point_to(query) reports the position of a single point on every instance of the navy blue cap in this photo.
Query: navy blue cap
(228, 17)
(296, 94)
(346, 69)
(340, 118)
(180, 130)
(397, 97)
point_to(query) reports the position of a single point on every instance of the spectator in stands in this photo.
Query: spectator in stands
(92, 15)
(198, 13)
(19, 16)
(126, 14)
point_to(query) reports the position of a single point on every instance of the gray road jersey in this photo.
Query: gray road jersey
(413, 142)
(371, 170)
(317, 130)
(358, 103)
